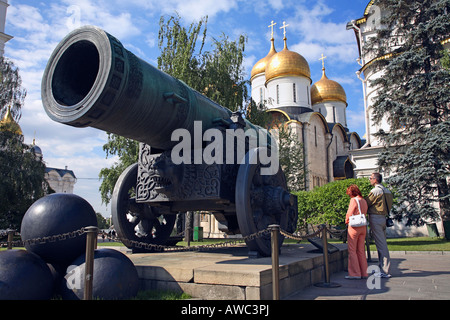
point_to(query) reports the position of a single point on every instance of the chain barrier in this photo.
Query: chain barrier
(300, 238)
(133, 243)
(160, 248)
(43, 240)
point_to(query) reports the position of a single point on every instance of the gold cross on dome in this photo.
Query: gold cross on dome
(323, 61)
(284, 27)
(271, 26)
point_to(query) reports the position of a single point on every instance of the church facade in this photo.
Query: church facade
(314, 112)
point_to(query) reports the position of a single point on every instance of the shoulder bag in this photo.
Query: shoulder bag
(358, 220)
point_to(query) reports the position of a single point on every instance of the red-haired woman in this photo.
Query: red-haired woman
(357, 263)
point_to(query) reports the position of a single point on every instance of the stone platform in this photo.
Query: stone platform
(229, 274)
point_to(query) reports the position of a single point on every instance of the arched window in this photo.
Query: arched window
(278, 94)
(294, 92)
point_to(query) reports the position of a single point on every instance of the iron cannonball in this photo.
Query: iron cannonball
(58, 214)
(24, 276)
(115, 277)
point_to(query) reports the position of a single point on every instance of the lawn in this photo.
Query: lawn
(412, 244)
(417, 244)
(394, 244)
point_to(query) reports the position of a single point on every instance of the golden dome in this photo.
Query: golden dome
(287, 63)
(260, 66)
(9, 124)
(327, 90)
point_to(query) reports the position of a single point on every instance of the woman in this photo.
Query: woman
(357, 263)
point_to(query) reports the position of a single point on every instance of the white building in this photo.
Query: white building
(3, 36)
(60, 180)
(366, 158)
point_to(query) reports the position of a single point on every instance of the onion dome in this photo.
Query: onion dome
(36, 149)
(327, 90)
(9, 124)
(287, 63)
(260, 66)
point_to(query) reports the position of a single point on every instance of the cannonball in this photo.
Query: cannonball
(115, 277)
(57, 214)
(24, 276)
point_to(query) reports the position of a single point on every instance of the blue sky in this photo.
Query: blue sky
(315, 27)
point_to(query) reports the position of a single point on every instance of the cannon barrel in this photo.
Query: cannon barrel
(91, 80)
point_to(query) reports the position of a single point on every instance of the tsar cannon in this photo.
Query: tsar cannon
(195, 155)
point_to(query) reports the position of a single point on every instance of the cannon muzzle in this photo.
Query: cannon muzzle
(92, 80)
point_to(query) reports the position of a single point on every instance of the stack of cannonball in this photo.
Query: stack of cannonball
(56, 265)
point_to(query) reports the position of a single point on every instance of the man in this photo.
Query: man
(379, 201)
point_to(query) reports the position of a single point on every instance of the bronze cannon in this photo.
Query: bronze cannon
(194, 154)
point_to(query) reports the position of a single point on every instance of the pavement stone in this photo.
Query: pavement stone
(415, 276)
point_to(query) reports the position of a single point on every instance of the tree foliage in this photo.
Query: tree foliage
(413, 99)
(290, 150)
(21, 175)
(327, 204)
(11, 94)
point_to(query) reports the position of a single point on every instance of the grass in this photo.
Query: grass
(412, 244)
(394, 244)
(161, 295)
(417, 244)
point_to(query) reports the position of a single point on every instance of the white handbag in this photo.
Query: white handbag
(358, 220)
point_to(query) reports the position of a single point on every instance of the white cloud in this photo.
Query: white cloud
(318, 35)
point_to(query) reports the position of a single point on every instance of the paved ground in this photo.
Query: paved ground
(415, 276)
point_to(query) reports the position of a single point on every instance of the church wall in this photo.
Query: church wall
(281, 92)
(372, 94)
(259, 89)
(354, 142)
(333, 111)
(317, 153)
(339, 143)
(60, 184)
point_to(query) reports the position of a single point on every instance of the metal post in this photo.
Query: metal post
(327, 283)
(275, 230)
(325, 255)
(89, 264)
(10, 238)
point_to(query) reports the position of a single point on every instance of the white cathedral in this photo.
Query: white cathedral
(315, 113)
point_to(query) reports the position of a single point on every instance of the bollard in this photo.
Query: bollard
(327, 283)
(10, 238)
(91, 240)
(275, 231)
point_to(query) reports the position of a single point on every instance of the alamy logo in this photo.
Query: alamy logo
(373, 282)
(190, 149)
(73, 277)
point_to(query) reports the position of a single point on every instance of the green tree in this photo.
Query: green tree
(413, 98)
(11, 94)
(291, 151)
(21, 174)
(329, 203)
(291, 158)
(102, 222)
(128, 151)
(223, 74)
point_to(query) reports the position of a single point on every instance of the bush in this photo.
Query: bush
(327, 204)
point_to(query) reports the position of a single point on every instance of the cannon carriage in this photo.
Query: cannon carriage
(194, 154)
